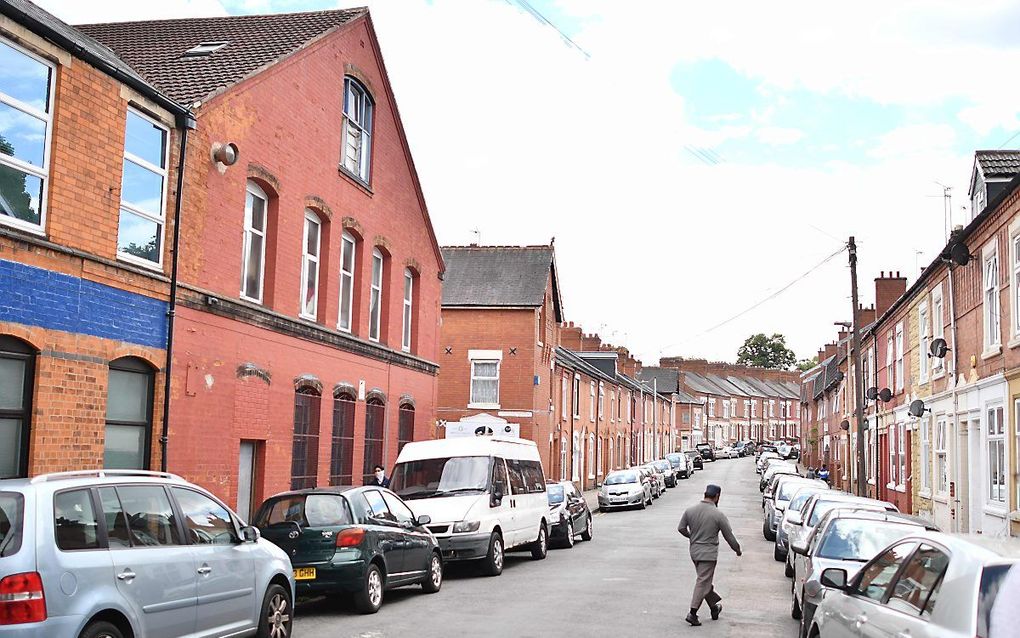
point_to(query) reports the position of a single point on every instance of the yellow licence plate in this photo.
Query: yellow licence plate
(304, 573)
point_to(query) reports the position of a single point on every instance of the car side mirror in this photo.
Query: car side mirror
(423, 520)
(250, 534)
(835, 578)
(799, 547)
(496, 499)
(795, 518)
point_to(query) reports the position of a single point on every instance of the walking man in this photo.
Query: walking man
(702, 524)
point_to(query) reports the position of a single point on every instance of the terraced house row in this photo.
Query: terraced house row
(950, 345)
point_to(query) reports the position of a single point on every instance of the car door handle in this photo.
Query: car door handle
(860, 621)
(126, 575)
(204, 569)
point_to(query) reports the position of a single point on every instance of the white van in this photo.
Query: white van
(485, 495)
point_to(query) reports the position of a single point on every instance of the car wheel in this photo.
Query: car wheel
(434, 579)
(540, 548)
(767, 531)
(589, 527)
(569, 540)
(778, 554)
(101, 630)
(795, 612)
(369, 598)
(789, 570)
(493, 565)
(277, 613)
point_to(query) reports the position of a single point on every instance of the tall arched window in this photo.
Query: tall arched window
(17, 372)
(405, 426)
(376, 299)
(253, 260)
(348, 253)
(357, 142)
(341, 467)
(304, 461)
(408, 309)
(128, 414)
(375, 424)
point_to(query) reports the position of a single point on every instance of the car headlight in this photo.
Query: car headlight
(466, 526)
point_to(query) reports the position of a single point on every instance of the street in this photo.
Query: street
(634, 578)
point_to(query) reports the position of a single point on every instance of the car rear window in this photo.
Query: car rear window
(12, 517)
(307, 510)
(555, 494)
(992, 577)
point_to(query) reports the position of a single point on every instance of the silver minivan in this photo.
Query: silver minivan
(116, 553)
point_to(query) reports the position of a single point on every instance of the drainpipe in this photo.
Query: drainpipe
(189, 124)
(956, 399)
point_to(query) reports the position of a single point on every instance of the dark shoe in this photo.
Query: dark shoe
(716, 609)
(693, 619)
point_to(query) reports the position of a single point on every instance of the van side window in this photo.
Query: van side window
(533, 476)
(74, 520)
(499, 477)
(150, 518)
(518, 484)
(116, 520)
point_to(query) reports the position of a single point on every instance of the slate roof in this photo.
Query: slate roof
(746, 388)
(155, 48)
(668, 378)
(998, 163)
(699, 383)
(499, 276)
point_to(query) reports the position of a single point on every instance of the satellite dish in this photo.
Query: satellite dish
(960, 255)
(871, 393)
(885, 394)
(483, 430)
(938, 348)
(839, 375)
(844, 425)
(917, 408)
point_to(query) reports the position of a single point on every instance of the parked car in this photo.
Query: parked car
(360, 541)
(844, 538)
(727, 452)
(783, 529)
(927, 585)
(625, 488)
(648, 476)
(762, 459)
(666, 468)
(706, 451)
(740, 447)
(658, 477)
(484, 494)
(777, 495)
(681, 464)
(569, 516)
(774, 469)
(145, 553)
(696, 462)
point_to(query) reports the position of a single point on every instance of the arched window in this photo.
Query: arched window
(304, 462)
(341, 468)
(256, 226)
(128, 414)
(310, 265)
(357, 142)
(405, 426)
(17, 372)
(376, 299)
(375, 425)
(408, 309)
(348, 263)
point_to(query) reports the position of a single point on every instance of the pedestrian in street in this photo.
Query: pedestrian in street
(811, 472)
(702, 524)
(379, 478)
(823, 474)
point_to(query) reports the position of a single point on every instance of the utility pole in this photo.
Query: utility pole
(858, 379)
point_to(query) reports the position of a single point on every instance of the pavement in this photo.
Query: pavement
(633, 579)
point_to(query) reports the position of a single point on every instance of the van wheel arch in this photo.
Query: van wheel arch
(113, 617)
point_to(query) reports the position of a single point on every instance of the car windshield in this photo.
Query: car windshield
(555, 493)
(12, 508)
(674, 459)
(442, 476)
(662, 465)
(787, 490)
(800, 498)
(822, 508)
(860, 540)
(621, 478)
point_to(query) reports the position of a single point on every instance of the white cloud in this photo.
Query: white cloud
(915, 140)
(78, 12)
(778, 135)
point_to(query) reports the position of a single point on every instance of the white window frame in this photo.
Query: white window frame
(1016, 447)
(711, 408)
(602, 402)
(364, 127)
(563, 398)
(899, 357)
(893, 453)
(484, 356)
(591, 455)
(253, 189)
(375, 302)
(598, 456)
(941, 470)
(995, 443)
(990, 302)
(576, 457)
(160, 219)
(405, 342)
(347, 242)
(564, 457)
(901, 454)
(577, 398)
(922, 341)
(925, 456)
(42, 172)
(591, 401)
(308, 261)
(937, 316)
(1014, 282)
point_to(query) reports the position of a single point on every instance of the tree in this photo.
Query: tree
(806, 364)
(14, 198)
(766, 352)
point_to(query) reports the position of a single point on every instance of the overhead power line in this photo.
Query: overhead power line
(537, 15)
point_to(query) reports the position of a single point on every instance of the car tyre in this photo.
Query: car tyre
(101, 629)
(369, 598)
(767, 532)
(789, 570)
(277, 617)
(589, 528)
(493, 562)
(434, 578)
(778, 555)
(795, 611)
(568, 540)
(540, 548)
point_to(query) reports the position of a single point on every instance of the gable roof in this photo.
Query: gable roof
(666, 379)
(997, 163)
(500, 276)
(699, 383)
(155, 48)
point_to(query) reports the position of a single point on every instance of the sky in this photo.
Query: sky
(690, 159)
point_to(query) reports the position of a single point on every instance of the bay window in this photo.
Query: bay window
(996, 443)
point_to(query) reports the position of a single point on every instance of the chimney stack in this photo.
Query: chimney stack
(570, 336)
(887, 290)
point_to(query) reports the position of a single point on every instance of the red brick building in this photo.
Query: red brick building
(88, 168)
(305, 342)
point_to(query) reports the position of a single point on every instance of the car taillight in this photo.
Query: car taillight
(350, 537)
(22, 599)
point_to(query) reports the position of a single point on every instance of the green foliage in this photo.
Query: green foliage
(763, 351)
(806, 364)
(13, 192)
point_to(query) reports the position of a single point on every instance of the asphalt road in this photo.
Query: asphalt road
(634, 579)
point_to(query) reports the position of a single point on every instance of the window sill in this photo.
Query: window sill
(991, 352)
(21, 226)
(483, 406)
(998, 510)
(355, 179)
(141, 263)
(311, 318)
(938, 375)
(1014, 516)
(924, 494)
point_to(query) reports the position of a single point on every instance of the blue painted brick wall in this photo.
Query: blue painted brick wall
(52, 300)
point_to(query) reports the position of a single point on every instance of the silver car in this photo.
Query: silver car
(927, 585)
(624, 488)
(130, 553)
(801, 494)
(659, 478)
(778, 495)
(846, 539)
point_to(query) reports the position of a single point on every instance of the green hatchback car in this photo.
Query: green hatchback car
(361, 541)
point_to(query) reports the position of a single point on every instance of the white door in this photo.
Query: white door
(504, 512)
(246, 479)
